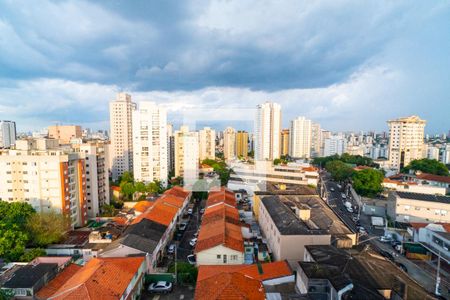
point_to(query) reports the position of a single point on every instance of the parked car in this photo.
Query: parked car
(196, 233)
(362, 230)
(358, 223)
(193, 242)
(171, 249)
(395, 243)
(402, 266)
(191, 259)
(355, 219)
(349, 209)
(332, 189)
(202, 211)
(343, 196)
(183, 226)
(190, 211)
(385, 239)
(163, 287)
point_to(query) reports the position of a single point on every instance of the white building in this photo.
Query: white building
(207, 137)
(316, 139)
(121, 130)
(186, 154)
(406, 141)
(229, 143)
(267, 131)
(150, 151)
(7, 134)
(433, 152)
(334, 145)
(300, 138)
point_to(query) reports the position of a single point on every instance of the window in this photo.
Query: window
(218, 256)
(233, 257)
(224, 258)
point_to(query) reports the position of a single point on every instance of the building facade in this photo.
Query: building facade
(334, 145)
(64, 133)
(316, 140)
(121, 131)
(207, 139)
(229, 143)
(47, 177)
(186, 154)
(284, 141)
(242, 144)
(267, 131)
(7, 133)
(406, 141)
(300, 138)
(150, 160)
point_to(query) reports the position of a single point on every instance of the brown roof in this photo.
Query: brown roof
(161, 212)
(57, 282)
(432, 177)
(218, 233)
(100, 278)
(226, 286)
(222, 196)
(270, 270)
(221, 211)
(143, 205)
(178, 191)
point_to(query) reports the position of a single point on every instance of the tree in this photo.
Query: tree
(6, 294)
(127, 189)
(47, 228)
(15, 213)
(367, 182)
(140, 187)
(339, 171)
(12, 241)
(426, 165)
(127, 177)
(153, 187)
(31, 254)
(186, 272)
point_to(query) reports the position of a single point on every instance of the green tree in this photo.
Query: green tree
(6, 294)
(127, 189)
(31, 254)
(47, 228)
(140, 187)
(15, 213)
(126, 177)
(154, 187)
(108, 210)
(12, 241)
(186, 272)
(367, 182)
(339, 171)
(426, 165)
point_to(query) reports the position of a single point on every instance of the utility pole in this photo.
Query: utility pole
(438, 277)
(176, 275)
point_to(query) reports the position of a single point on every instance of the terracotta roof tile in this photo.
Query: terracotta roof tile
(432, 177)
(160, 212)
(100, 278)
(220, 233)
(142, 206)
(58, 281)
(221, 211)
(178, 191)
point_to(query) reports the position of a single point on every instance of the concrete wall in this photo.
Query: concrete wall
(210, 256)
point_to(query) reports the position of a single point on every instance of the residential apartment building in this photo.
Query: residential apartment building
(406, 141)
(121, 132)
(284, 141)
(242, 144)
(64, 133)
(95, 155)
(229, 143)
(316, 140)
(47, 177)
(207, 138)
(170, 148)
(267, 131)
(7, 133)
(300, 138)
(415, 207)
(335, 144)
(150, 160)
(186, 154)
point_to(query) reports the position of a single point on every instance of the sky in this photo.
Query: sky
(348, 65)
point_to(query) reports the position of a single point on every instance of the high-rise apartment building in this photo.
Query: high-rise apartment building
(207, 139)
(267, 131)
(121, 130)
(170, 148)
(335, 144)
(242, 144)
(284, 138)
(150, 143)
(95, 155)
(7, 134)
(300, 138)
(46, 176)
(65, 133)
(316, 140)
(186, 154)
(229, 143)
(406, 141)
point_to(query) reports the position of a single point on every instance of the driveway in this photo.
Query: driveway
(179, 292)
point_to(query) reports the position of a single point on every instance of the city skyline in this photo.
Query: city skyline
(344, 77)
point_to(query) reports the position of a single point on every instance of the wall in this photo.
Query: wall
(209, 256)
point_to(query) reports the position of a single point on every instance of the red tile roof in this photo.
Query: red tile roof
(57, 282)
(178, 191)
(161, 212)
(222, 196)
(219, 212)
(100, 278)
(142, 206)
(432, 177)
(269, 270)
(220, 233)
(228, 286)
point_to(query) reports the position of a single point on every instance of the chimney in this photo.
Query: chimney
(304, 212)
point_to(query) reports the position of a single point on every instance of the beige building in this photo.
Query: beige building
(186, 154)
(406, 141)
(64, 133)
(121, 131)
(242, 144)
(39, 172)
(95, 155)
(316, 139)
(418, 208)
(207, 139)
(284, 141)
(229, 143)
(300, 138)
(267, 131)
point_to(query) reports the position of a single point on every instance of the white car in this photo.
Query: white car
(343, 196)
(385, 239)
(191, 259)
(202, 210)
(190, 211)
(362, 230)
(349, 209)
(160, 287)
(332, 189)
(193, 242)
(171, 249)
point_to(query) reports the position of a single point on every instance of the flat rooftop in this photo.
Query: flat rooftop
(274, 188)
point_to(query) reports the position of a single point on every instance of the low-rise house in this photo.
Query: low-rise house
(429, 179)
(56, 283)
(102, 278)
(415, 207)
(241, 281)
(29, 279)
(436, 239)
(412, 187)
